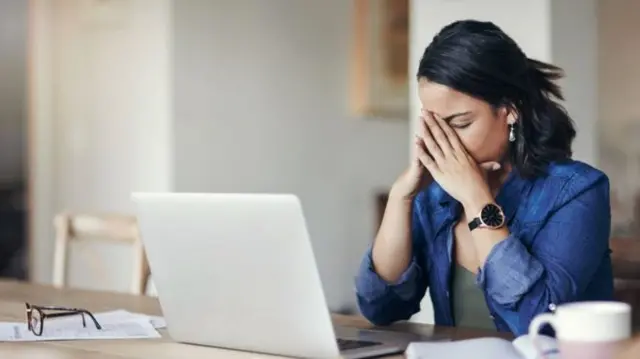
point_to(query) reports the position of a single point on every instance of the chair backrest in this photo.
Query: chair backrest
(112, 227)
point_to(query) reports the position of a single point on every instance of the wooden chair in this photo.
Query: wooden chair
(115, 228)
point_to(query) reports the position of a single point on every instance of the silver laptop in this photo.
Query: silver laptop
(238, 271)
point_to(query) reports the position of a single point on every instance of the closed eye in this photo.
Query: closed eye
(461, 125)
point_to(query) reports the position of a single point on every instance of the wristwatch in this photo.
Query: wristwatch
(491, 216)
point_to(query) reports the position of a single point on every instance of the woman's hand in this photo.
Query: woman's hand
(413, 179)
(444, 156)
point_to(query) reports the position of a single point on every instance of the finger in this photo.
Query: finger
(417, 141)
(423, 156)
(430, 144)
(435, 127)
(452, 136)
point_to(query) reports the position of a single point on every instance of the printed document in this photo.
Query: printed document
(118, 324)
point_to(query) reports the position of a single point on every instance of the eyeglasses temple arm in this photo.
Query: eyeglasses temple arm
(95, 321)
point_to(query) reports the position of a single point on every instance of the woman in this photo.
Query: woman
(510, 226)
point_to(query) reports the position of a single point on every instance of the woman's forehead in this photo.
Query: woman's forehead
(444, 100)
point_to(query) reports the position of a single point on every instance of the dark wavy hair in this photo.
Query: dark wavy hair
(477, 58)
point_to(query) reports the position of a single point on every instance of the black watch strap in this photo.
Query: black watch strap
(475, 223)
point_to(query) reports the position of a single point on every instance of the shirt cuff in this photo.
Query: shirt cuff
(371, 287)
(509, 271)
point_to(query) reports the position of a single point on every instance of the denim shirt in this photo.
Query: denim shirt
(557, 252)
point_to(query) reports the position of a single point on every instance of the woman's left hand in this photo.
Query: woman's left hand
(451, 166)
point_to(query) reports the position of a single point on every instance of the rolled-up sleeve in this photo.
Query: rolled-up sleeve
(509, 271)
(371, 286)
(523, 281)
(382, 302)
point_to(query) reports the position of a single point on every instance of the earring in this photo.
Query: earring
(512, 135)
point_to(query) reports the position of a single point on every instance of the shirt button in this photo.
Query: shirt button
(447, 294)
(492, 317)
(552, 307)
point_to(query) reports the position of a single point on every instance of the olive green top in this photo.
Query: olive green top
(469, 306)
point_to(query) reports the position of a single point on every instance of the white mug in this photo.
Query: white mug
(586, 330)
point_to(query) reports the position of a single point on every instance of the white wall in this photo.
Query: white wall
(41, 144)
(101, 118)
(574, 47)
(261, 104)
(546, 30)
(13, 36)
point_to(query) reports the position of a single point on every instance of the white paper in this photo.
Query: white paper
(123, 315)
(157, 322)
(118, 324)
(546, 344)
(483, 348)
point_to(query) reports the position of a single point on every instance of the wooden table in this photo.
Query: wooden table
(13, 295)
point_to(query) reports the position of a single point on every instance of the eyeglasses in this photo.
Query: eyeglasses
(36, 316)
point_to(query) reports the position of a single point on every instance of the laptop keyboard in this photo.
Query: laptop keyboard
(346, 344)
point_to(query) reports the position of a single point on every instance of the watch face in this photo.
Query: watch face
(492, 216)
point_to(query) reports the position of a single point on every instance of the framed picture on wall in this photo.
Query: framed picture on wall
(380, 59)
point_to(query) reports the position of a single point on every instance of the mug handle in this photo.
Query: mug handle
(534, 330)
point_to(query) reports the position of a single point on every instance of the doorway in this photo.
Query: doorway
(13, 139)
